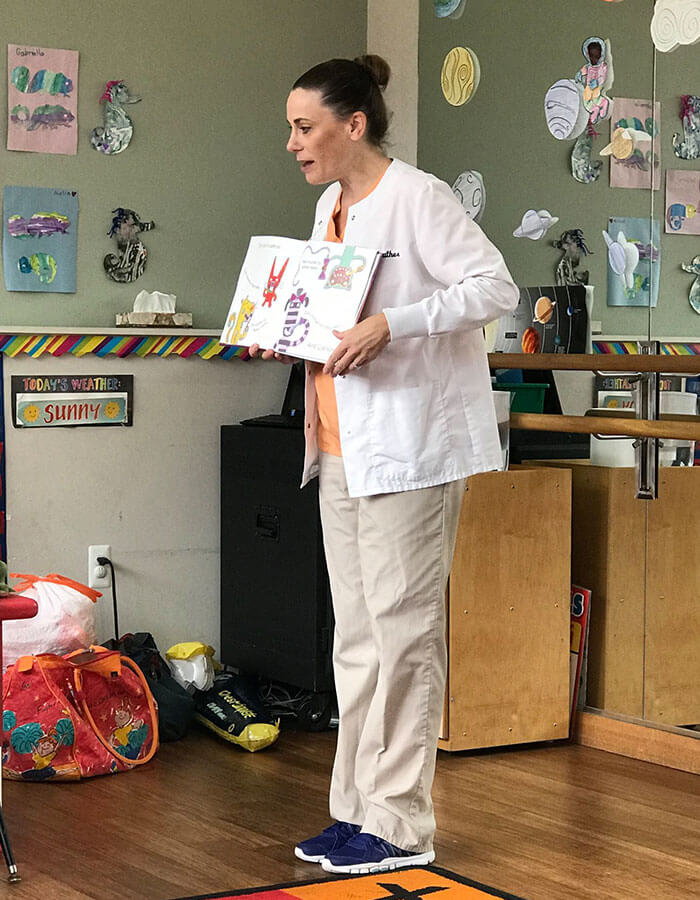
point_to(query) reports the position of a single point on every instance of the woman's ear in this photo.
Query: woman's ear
(357, 126)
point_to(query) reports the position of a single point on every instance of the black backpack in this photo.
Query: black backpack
(175, 705)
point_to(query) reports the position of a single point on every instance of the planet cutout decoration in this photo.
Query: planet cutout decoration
(535, 224)
(624, 141)
(470, 190)
(564, 111)
(460, 75)
(530, 342)
(445, 8)
(544, 308)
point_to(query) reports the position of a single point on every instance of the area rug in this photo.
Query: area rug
(411, 883)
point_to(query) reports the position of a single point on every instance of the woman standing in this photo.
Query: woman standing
(397, 418)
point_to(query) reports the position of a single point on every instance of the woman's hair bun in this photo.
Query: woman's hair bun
(377, 66)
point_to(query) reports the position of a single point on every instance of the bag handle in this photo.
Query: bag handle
(130, 664)
(54, 578)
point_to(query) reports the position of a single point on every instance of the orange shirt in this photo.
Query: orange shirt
(328, 430)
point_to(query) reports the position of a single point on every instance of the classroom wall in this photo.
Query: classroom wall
(151, 490)
(208, 164)
(207, 161)
(392, 32)
(523, 48)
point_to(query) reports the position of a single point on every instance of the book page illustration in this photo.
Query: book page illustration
(291, 295)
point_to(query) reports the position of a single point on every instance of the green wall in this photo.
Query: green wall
(524, 46)
(207, 161)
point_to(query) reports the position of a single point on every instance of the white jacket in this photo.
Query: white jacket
(421, 413)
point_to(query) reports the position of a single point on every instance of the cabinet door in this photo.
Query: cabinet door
(509, 592)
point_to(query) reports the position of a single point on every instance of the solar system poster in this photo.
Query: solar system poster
(45, 401)
(546, 320)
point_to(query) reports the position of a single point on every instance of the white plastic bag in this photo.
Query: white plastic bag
(65, 620)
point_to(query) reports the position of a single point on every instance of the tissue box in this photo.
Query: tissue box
(154, 319)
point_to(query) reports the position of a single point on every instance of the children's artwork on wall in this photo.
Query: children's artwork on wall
(633, 247)
(689, 146)
(675, 22)
(564, 111)
(596, 78)
(470, 190)
(42, 99)
(573, 244)
(584, 170)
(694, 295)
(130, 262)
(682, 201)
(40, 239)
(635, 144)
(114, 136)
(535, 224)
(449, 8)
(460, 75)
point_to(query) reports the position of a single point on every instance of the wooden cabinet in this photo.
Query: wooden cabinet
(640, 559)
(508, 612)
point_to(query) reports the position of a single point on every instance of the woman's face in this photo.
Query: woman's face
(321, 142)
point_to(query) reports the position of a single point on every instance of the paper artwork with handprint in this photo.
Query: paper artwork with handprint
(635, 144)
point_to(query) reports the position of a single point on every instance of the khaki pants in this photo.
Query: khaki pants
(388, 557)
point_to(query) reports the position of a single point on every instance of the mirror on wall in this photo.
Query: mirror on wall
(549, 196)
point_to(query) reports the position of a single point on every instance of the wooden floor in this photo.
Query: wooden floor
(546, 823)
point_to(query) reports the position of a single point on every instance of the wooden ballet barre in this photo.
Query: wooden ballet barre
(596, 362)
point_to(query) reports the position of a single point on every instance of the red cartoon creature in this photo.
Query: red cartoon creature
(273, 282)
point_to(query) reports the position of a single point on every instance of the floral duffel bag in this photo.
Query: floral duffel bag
(88, 713)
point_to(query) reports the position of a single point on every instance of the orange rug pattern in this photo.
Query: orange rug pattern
(411, 883)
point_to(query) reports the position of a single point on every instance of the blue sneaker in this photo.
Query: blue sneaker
(365, 854)
(330, 840)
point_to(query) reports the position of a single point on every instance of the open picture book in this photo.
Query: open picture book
(291, 295)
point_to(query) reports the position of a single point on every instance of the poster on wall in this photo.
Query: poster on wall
(631, 283)
(547, 319)
(635, 143)
(40, 239)
(682, 201)
(43, 401)
(42, 99)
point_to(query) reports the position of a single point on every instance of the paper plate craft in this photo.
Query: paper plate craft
(534, 224)
(694, 295)
(596, 78)
(675, 22)
(460, 75)
(623, 258)
(573, 244)
(625, 141)
(470, 191)
(451, 8)
(114, 136)
(564, 110)
(689, 146)
(584, 170)
(130, 263)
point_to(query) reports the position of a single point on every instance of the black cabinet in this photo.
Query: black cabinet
(276, 618)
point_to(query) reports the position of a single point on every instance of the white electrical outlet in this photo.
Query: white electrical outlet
(99, 576)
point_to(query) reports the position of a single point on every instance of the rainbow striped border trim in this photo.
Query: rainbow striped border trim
(35, 345)
(668, 348)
